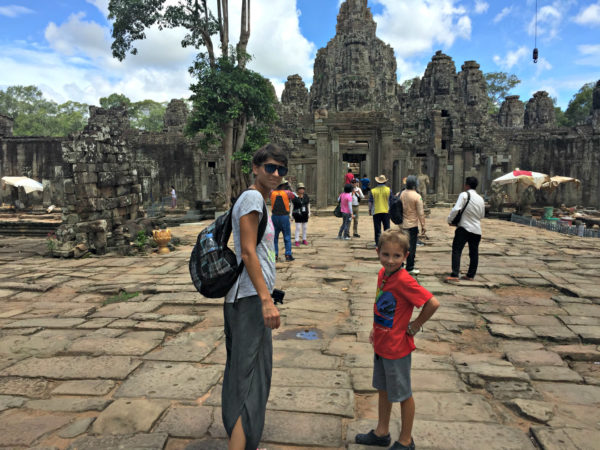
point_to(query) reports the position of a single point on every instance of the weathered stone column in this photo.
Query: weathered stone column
(459, 171)
(322, 164)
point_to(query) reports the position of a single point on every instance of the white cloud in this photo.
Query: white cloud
(13, 11)
(77, 36)
(413, 26)
(102, 5)
(481, 6)
(589, 16)
(542, 65)
(550, 19)
(502, 14)
(590, 55)
(511, 58)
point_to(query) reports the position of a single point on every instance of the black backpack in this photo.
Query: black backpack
(215, 272)
(396, 209)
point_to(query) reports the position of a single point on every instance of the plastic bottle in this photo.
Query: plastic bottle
(210, 244)
(210, 247)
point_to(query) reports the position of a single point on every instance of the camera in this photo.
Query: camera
(278, 295)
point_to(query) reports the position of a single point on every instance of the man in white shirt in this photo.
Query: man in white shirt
(467, 230)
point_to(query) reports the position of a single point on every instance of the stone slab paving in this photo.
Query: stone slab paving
(509, 362)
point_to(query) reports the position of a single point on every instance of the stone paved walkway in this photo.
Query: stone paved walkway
(510, 361)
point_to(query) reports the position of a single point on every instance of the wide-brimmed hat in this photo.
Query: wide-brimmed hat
(300, 186)
(381, 179)
(283, 183)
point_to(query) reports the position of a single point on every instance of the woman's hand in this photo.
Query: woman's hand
(270, 314)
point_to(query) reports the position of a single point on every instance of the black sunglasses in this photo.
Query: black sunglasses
(281, 170)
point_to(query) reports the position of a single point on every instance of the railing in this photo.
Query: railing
(553, 225)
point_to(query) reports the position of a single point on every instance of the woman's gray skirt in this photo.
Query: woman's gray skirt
(248, 369)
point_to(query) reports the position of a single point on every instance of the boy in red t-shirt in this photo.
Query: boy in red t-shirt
(392, 338)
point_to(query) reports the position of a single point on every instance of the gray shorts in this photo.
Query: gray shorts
(392, 376)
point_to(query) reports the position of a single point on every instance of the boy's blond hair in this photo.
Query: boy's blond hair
(395, 236)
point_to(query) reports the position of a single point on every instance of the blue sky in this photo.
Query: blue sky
(63, 46)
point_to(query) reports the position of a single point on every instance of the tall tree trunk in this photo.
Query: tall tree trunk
(244, 34)
(228, 153)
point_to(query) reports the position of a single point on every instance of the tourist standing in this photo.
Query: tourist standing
(392, 337)
(468, 229)
(349, 177)
(280, 213)
(365, 182)
(249, 311)
(413, 214)
(357, 196)
(345, 200)
(301, 213)
(173, 197)
(379, 206)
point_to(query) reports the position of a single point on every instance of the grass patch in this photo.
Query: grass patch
(121, 297)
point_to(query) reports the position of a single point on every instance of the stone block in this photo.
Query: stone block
(138, 441)
(589, 334)
(510, 331)
(569, 393)
(9, 401)
(302, 429)
(445, 406)
(76, 428)
(127, 416)
(555, 334)
(339, 402)
(561, 438)
(84, 387)
(554, 373)
(530, 358)
(532, 409)
(456, 435)
(187, 421)
(170, 380)
(578, 352)
(69, 404)
(22, 428)
(74, 367)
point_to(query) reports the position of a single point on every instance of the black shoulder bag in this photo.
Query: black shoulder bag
(456, 220)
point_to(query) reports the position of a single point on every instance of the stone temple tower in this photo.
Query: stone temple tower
(356, 71)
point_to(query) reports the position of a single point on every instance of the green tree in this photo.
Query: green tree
(36, 116)
(115, 100)
(148, 115)
(580, 106)
(499, 85)
(223, 114)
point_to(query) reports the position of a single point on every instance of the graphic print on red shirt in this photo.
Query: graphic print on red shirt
(394, 303)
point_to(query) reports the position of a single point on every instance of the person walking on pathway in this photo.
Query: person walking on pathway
(468, 229)
(365, 182)
(280, 213)
(349, 177)
(392, 337)
(345, 200)
(357, 196)
(301, 213)
(249, 311)
(173, 198)
(379, 206)
(413, 214)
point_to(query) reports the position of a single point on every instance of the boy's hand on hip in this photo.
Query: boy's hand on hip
(371, 336)
(271, 315)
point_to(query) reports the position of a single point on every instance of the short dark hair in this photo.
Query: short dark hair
(471, 182)
(269, 151)
(365, 175)
(348, 188)
(349, 170)
(411, 182)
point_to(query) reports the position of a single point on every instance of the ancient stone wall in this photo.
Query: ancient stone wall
(6, 126)
(38, 158)
(100, 184)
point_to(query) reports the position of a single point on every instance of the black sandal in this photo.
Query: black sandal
(372, 439)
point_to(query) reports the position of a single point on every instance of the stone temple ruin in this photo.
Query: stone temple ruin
(355, 112)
